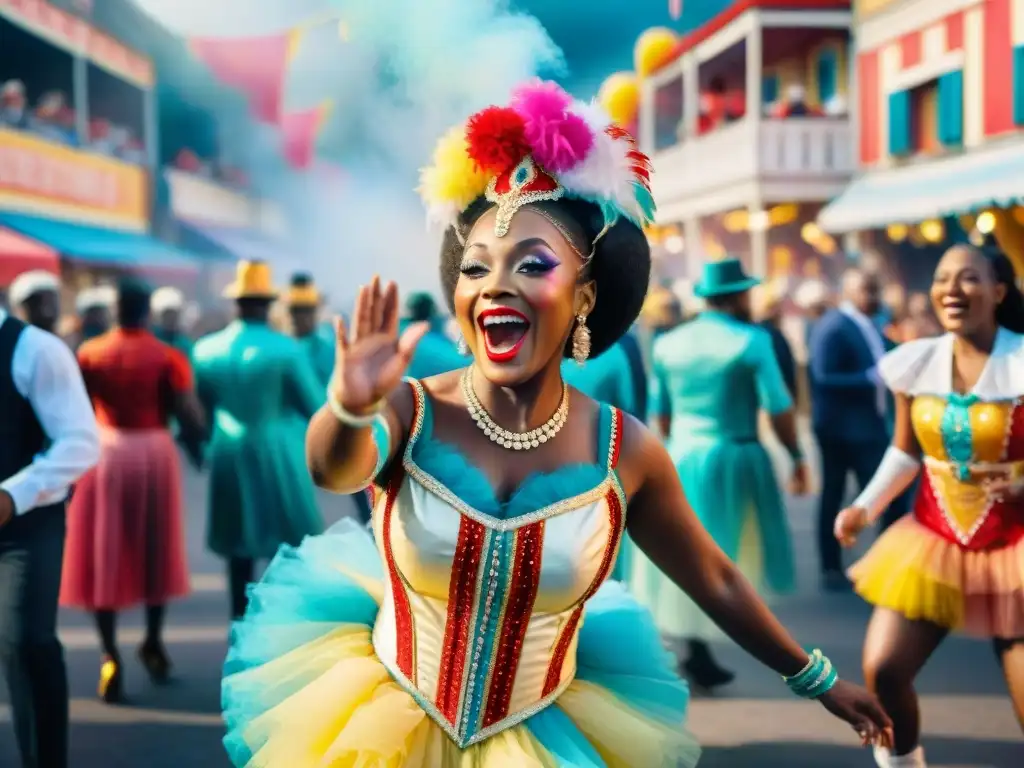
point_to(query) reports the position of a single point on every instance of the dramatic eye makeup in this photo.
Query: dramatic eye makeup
(537, 263)
(471, 267)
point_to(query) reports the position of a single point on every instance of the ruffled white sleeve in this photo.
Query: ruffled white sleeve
(907, 369)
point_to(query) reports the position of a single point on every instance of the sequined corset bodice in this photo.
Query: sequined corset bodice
(967, 441)
(484, 600)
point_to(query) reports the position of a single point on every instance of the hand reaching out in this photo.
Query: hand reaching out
(849, 524)
(371, 358)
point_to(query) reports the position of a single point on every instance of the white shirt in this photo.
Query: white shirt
(873, 338)
(46, 374)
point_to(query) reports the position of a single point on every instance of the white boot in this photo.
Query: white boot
(885, 759)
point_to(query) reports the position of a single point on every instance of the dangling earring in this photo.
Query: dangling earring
(462, 346)
(581, 340)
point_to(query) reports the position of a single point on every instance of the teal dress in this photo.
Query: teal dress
(320, 352)
(436, 354)
(712, 376)
(608, 379)
(261, 390)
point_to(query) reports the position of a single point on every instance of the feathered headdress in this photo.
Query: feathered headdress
(543, 146)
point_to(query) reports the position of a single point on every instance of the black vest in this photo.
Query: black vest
(21, 435)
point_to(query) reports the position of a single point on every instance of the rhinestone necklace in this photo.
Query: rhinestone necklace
(519, 441)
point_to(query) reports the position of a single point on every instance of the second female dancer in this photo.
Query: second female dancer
(477, 630)
(957, 563)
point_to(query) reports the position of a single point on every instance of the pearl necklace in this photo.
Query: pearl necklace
(519, 441)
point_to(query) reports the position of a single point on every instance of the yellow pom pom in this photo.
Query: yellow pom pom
(453, 180)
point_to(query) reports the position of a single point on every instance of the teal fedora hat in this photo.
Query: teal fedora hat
(723, 277)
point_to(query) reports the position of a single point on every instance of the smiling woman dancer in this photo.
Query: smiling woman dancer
(502, 496)
(957, 563)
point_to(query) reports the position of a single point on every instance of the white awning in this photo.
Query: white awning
(929, 190)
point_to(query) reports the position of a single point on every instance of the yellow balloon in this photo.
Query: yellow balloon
(620, 97)
(654, 49)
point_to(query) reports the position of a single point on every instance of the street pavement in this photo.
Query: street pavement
(754, 723)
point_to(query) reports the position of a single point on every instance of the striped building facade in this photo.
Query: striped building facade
(937, 75)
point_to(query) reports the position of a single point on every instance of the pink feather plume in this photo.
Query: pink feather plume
(559, 138)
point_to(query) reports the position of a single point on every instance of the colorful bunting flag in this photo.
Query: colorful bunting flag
(254, 65)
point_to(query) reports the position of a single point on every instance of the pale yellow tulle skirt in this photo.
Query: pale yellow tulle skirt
(916, 572)
(353, 715)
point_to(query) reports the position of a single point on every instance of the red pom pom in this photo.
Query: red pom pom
(497, 139)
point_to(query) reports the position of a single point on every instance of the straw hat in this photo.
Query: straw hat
(252, 281)
(302, 292)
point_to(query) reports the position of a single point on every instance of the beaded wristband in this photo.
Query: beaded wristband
(816, 679)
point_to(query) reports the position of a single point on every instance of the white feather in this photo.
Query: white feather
(605, 173)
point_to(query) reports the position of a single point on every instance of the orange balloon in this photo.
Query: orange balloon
(620, 97)
(653, 50)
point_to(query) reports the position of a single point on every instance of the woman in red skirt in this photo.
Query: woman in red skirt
(126, 537)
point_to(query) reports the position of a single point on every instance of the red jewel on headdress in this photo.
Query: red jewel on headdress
(521, 185)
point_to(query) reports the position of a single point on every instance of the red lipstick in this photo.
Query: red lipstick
(504, 330)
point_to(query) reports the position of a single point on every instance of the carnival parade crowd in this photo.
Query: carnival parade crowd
(580, 470)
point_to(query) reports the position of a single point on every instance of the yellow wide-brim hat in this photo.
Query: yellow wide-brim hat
(302, 296)
(252, 281)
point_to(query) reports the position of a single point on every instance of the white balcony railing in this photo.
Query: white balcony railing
(806, 147)
(751, 151)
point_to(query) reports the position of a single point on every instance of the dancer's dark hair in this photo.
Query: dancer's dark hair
(1010, 312)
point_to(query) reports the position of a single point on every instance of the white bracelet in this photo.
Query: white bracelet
(350, 419)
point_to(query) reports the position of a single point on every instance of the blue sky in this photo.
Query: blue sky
(597, 36)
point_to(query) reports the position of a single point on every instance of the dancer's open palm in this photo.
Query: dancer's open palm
(370, 357)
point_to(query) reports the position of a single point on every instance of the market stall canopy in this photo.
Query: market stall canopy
(237, 243)
(945, 187)
(21, 254)
(98, 246)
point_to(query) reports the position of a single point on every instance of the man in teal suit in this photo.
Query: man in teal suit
(260, 390)
(710, 378)
(303, 301)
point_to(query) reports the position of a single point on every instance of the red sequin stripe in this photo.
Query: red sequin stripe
(569, 630)
(616, 447)
(462, 595)
(403, 612)
(518, 607)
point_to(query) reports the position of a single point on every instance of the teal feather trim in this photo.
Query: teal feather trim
(454, 471)
(645, 200)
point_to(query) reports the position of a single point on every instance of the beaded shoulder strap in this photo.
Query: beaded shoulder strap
(611, 435)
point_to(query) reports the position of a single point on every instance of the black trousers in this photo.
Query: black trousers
(839, 457)
(31, 557)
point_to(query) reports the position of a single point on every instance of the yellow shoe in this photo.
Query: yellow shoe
(110, 689)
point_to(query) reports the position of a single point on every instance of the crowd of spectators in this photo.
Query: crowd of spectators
(54, 119)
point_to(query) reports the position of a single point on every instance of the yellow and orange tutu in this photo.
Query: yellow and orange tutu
(923, 575)
(303, 687)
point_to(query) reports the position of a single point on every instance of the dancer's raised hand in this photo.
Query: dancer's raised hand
(370, 357)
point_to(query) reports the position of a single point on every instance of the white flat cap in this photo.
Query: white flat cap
(166, 298)
(27, 284)
(811, 293)
(101, 296)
